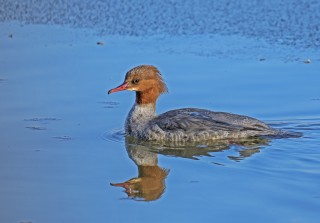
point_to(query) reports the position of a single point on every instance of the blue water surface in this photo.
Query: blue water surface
(62, 139)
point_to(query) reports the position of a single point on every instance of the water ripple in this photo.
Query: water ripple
(114, 135)
(298, 125)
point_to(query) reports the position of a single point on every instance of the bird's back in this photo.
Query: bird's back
(192, 124)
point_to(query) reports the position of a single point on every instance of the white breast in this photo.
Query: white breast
(138, 118)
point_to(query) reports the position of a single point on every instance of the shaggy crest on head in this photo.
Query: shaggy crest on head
(148, 72)
(182, 125)
(147, 81)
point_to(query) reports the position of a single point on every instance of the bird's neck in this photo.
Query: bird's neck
(143, 111)
(138, 117)
(148, 97)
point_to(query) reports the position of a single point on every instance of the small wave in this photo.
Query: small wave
(297, 124)
(309, 128)
(114, 135)
(35, 128)
(109, 104)
(63, 138)
(40, 119)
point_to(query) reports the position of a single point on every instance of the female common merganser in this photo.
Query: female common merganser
(186, 124)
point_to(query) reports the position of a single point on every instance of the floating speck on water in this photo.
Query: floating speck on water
(10, 35)
(307, 61)
(100, 43)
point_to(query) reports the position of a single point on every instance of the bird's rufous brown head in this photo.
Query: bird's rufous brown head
(146, 81)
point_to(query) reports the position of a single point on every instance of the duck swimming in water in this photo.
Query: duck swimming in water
(186, 124)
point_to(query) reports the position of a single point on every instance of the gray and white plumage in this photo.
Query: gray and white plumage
(194, 125)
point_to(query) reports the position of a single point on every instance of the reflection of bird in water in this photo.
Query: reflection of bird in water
(245, 147)
(148, 186)
(150, 183)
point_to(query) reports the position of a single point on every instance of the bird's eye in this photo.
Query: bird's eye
(135, 81)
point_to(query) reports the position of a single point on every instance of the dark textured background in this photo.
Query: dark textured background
(288, 22)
